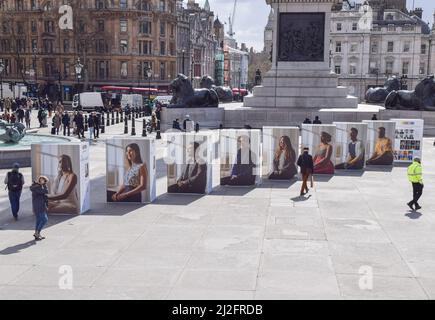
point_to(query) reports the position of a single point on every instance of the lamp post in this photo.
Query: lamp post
(182, 62)
(35, 67)
(2, 67)
(149, 75)
(240, 83)
(78, 68)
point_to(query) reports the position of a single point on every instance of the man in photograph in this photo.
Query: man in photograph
(355, 153)
(383, 154)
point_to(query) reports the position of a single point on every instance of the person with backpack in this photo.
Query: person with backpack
(40, 205)
(14, 181)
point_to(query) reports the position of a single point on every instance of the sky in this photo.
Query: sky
(251, 17)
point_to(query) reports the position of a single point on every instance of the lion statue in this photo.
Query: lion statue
(11, 132)
(379, 94)
(225, 94)
(422, 98)
(184, 96)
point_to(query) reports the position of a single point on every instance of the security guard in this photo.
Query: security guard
(415, 177)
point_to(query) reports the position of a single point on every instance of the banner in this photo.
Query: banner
(280, 152)
(380, 135)
(408, 140)
(130, 170)
(320, 139)
(351, 145)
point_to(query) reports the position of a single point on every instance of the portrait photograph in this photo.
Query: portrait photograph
(351, 145)
(130, 170)
(280, 152)
(320, 139)
(62, 165)
(240, 157)
(381, 138)
(189, 165)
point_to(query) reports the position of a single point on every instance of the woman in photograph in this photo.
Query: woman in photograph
(322, 158)
(284, 160)
(63, 196)
(135, 179)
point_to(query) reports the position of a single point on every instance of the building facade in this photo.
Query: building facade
(365, 54)
(117, 42)
(197, 43)
(236, 64)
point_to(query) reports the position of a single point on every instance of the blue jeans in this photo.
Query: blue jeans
(14, 198)
(41, 220)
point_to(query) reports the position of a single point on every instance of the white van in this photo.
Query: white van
(134, 100)
(90, 101)
(164, 100)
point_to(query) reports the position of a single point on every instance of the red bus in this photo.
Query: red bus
(132, 90)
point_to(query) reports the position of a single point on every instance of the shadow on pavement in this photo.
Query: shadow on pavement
(300, 198)
(278, 184)
(177, 199)
(349, 173)
(381, 168)
(231, 190)
(17, 248)
(413, 215)
(322, 177)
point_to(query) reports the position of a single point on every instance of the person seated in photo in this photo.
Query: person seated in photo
(63, 197)
(135, 179)
(284, 167)
(322, 158)
(383, 154)
(242, 170)
(355, 153)
(194, 173)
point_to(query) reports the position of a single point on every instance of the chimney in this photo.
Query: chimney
(418, 12)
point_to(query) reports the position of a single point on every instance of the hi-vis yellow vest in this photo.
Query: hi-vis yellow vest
(415, 173)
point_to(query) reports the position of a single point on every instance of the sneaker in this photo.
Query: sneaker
(410, 205)
(16, 218)
(417, 207)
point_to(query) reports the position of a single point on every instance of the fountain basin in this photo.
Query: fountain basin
(20, 152)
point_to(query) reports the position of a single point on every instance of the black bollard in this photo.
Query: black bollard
(86, 122)
(129, 115)
(133, 128)
(144, 128)
(197, 127)
(108, 119)
(103, 128)
(117, 117)
(122, 116)
(137, 113)
(69, 131)
(113, 118)
(158, 135)
(126, 127)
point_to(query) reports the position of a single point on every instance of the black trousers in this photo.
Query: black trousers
(417, 191)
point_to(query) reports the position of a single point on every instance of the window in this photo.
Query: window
(162, 28)
(124, 69)
(338, 47)
(337, 69)
(405, 67)
(390, 46)
(100, 25)
(172, 49)
(5, 45)
(423, 48)
(123, 46)
(391, 28)
(48, 68)
(7, 69)
(145, 27)
(123, 25)
(162, 48)
(102, 69)
(162, 5)
(352, 68)
(376, 27)
(353, 47)
(389, 17)
(19, 5)
(389, 67)
(375, 47)
(32, 4)
(143, 68)
(66, 69)
(65, 45)
(406, 46)
(82, 26)
(123, 4)
(100, 4)
(354, 26)
(21, 45)
(144, 5)
(145, 47)
(20, 28)
(422, 69)
(48, 45)
(339, 26)
(5, 27)
(48, 26)
(33, 27)
(101, 46)
(172, 30)
(34, 45)
(162, 71)
(47, 6)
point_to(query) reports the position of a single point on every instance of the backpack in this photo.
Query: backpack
(15, 181)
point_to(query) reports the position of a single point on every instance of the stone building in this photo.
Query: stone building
(197, 44)
(116, 41)
(365, 54)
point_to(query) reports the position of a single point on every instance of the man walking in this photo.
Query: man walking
(14, 181)
(415, 177)
(66, 123)
(305, 162)
(79, 120)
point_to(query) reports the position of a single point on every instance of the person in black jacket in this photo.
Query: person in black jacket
(65, 122)
(79, 120)
(305, 162)
(194, 176)
(40, 205)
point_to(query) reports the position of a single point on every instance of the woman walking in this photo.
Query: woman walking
(40, 204)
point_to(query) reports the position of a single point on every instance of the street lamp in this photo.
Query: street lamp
(2, 67)
(182, 62)
(240, 83)
(78, 68)
(149, 75)
(35, 67)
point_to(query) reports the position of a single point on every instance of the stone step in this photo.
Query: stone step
(281, 92)
(303, 82)
(307, 102)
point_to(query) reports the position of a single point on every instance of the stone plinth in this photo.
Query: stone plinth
(300, 77)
